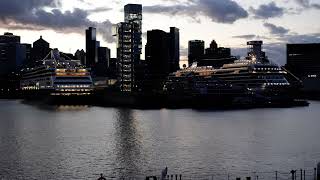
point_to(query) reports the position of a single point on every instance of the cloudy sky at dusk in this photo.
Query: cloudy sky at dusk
(230, 22)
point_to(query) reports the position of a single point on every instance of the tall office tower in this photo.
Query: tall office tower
(195, 51)
(133, 14)
(303, 60)
(126, 55)
(28, 52)
(12, 54)
(157, 57)
(129, 45)
(174, 47)
(40, 50)
(104, 55)
(91, 47)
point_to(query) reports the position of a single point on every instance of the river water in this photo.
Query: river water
(80, 142)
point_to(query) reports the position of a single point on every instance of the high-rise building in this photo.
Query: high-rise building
(91, 47)
(133, 14)
(174, 47)
(28, 52)
(40, 49)
(195, 51)
(9, 38)
(157, 57)
(126, 56)
(303, 60)
(162, 55)
(101, 68)
(129, 45)
(104, 56)
(12, 54)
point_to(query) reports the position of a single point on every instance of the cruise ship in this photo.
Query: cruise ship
(55, 76)
(263, 81)
(199, 89)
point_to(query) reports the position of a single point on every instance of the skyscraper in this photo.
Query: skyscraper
(28, 52)
(157, 57)
(195, 51)
(174, 47)
(12, 53)
(162, 55)
(91, 47)
(303, 60)
(129, 45)
(133, 14)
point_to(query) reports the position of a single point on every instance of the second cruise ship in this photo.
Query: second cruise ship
(263, 81)
(55, 76)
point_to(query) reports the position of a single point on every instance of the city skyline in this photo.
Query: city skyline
(230, 23)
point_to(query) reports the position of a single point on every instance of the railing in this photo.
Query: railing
(298, 174)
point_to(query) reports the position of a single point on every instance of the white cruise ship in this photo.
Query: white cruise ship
(56, 76)
(255, 72)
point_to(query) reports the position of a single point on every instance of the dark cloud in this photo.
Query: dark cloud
(226, 11)
(247, 36)
(277, 30)
(265, 11)
(99, 9)
(20, 8)
(30, 14)
(301, 38)
(308, 4)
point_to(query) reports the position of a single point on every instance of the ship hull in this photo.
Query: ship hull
(47, 97)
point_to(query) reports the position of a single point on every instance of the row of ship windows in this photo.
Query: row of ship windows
(270, 77)
(74, 90)
(73, 86)
(267, 69)
(276, 84)
(312, 76)
(69, 94)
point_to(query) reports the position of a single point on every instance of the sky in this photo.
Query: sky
(230, 22)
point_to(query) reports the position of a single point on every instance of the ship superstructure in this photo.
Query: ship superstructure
(261, 79)
(255, 72)
(56, 76)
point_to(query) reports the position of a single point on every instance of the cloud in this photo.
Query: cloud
(276, 52)
(226, 11)
(247, 36)
(307, 4)
(301, 38)
(265, 11)
(277, 30)
(31, 15)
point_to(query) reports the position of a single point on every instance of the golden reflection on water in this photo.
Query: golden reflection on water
(72, 107)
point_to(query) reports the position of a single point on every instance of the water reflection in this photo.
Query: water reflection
(128, 143)
(71, 107)
(28, 144)
(56, 107)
